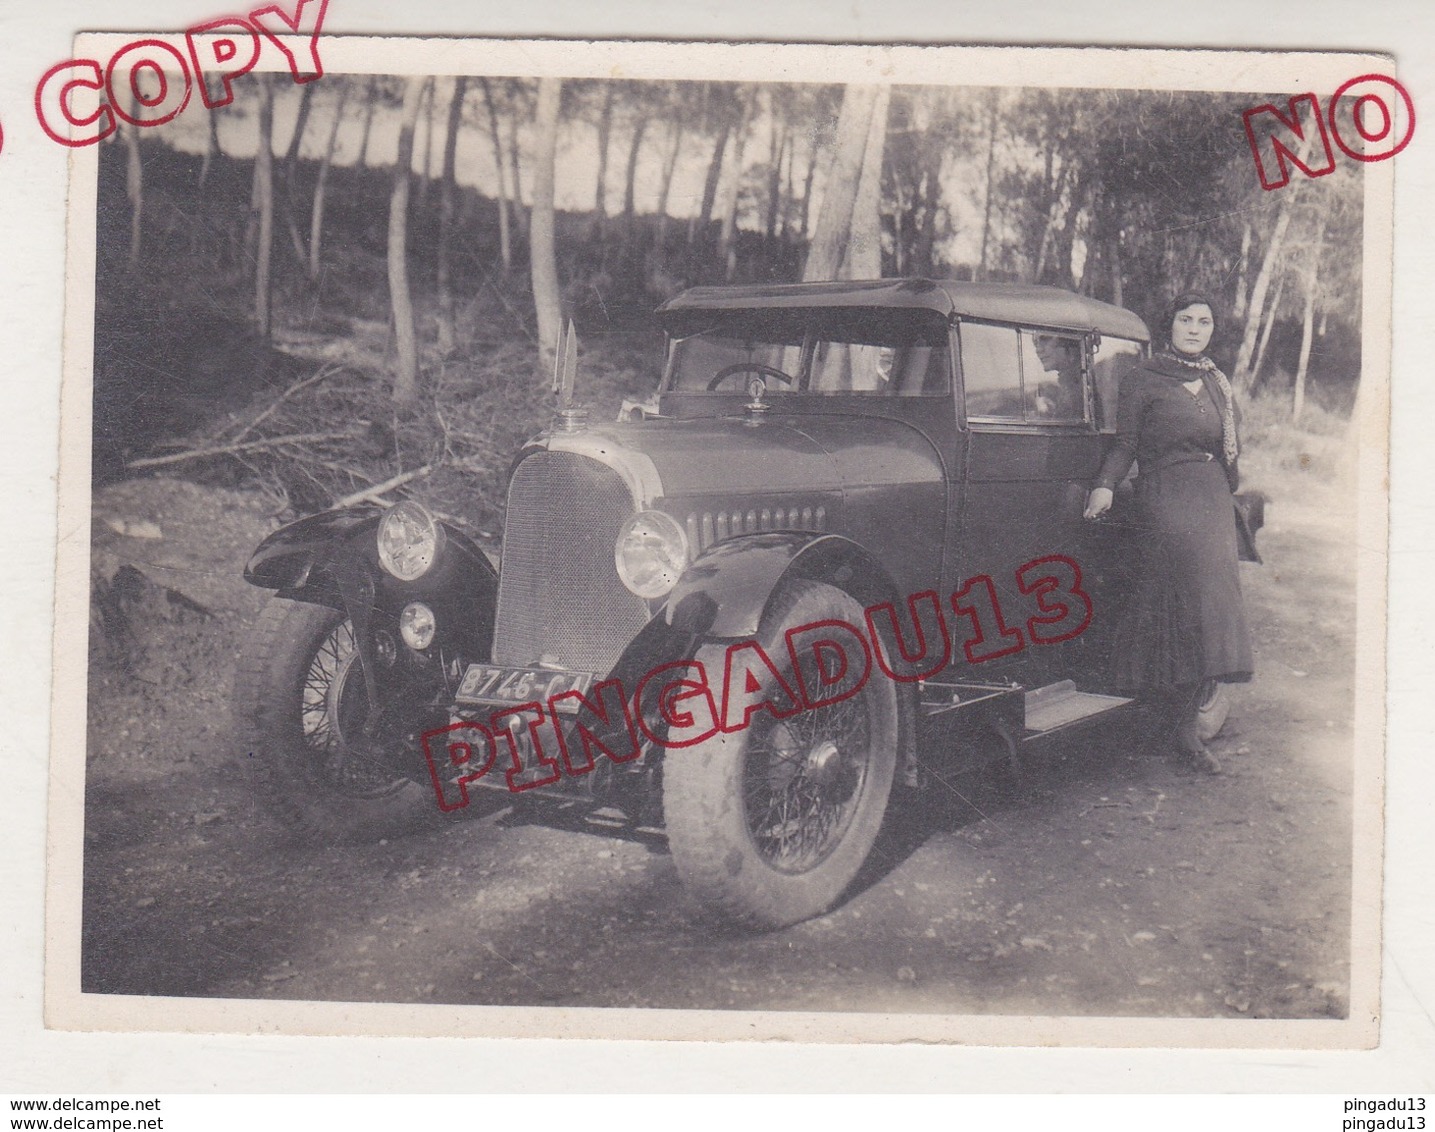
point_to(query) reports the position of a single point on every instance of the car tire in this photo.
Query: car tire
(285, 694)
(727, 801)
(1211, 712)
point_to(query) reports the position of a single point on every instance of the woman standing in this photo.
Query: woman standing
(1186, 621)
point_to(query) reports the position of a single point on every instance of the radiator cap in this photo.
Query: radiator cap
(571, 418)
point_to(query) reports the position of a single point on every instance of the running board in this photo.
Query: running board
(1059, 706)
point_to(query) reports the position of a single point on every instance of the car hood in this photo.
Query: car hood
(788, 453)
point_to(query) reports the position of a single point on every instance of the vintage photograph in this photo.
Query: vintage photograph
(674, 540)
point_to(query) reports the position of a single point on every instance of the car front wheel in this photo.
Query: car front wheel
(770, 825)
(298, 691)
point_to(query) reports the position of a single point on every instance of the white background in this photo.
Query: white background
(33, 36)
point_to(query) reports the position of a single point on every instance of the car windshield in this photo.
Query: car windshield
(874, 351)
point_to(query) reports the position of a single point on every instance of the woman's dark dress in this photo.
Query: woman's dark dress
(1185, 621)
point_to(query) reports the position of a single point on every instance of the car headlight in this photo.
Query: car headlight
(417, 625)
(409, 541)
(651, 553)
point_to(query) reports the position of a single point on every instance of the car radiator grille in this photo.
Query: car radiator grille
(559, 597)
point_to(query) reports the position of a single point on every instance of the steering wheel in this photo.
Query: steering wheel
(747, 367)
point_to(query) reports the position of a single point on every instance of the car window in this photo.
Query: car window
(892, 371)
(843, 367)
(1051, 377)
(876, 351)
(706, 356)
(1115, 358)
(922, 370)
(1027, 376)
(991, 372)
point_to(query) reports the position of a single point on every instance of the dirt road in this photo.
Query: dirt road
(1115, 885)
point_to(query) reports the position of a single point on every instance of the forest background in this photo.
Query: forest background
(347, 289)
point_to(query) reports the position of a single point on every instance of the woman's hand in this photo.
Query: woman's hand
(1097, 503)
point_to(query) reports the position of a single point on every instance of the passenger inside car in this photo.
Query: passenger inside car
(1052, 377)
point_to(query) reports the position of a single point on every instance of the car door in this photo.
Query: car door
(1033, 448)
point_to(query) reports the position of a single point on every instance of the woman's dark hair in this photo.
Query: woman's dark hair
(1189, 299)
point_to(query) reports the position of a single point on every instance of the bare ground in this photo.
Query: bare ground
(1114, 885)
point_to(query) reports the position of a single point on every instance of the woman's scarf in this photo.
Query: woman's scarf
(1230, 448)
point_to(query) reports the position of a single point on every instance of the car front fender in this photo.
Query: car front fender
(313, 559)
(724, 593)
(286, 559)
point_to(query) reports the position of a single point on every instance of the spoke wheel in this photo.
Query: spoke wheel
(770, 825)
(802, 784)
(300, 702)
(333, 704)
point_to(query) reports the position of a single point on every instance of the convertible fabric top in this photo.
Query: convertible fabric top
(1000, 302)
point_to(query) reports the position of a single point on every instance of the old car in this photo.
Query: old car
(839, 551)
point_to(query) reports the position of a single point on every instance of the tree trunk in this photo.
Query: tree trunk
(844, 173)
(670, 166)
(543, 258)
(1245, 374)
(1266, 327)
(710, 185)
(426, 164)
(1118, 291)
(864, 248)
(211, 149)
(251, 220)
(605, 129)
(899, 232)
(776, 151)
(291, 167)
(1312, 288)
(301, 122)
(1084, 197)
(981, 269)
(321, 183)
(1245, 370)
(1048, 196)
(783, 225)
(806, 216)
(197, 223)
(446, 330)
(406, 375)
(264, 189)
(630, 174)
(371, 97)
(924, 247)
(1053, 214)
(1243, 265)
(727, 199)
(500, 163)
(515, 163)
(134, 188)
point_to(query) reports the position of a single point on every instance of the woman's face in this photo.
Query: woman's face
(1192, 328)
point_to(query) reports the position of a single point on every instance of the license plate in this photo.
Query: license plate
(492, 683)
